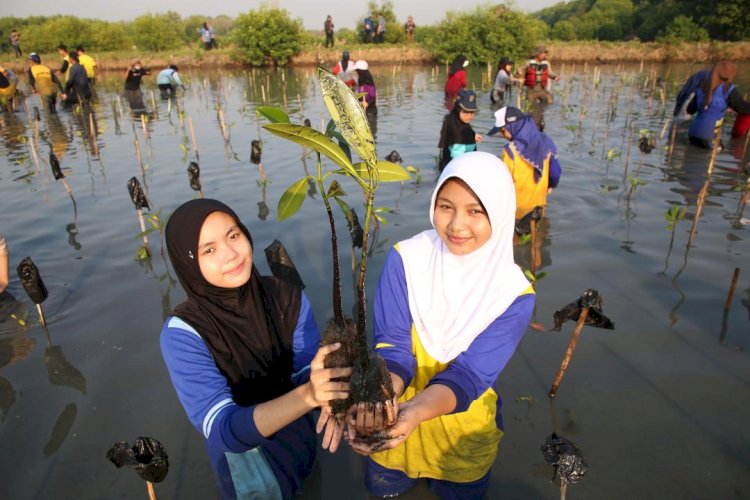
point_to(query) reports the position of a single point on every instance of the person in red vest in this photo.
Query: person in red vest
(536, 75)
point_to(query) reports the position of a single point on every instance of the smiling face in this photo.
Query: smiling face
(225, 256)
(460, 219)
(466, 116)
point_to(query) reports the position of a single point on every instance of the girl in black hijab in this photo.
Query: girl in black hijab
(242, 353)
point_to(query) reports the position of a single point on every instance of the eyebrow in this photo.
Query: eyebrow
(473, 204)
(231, 229)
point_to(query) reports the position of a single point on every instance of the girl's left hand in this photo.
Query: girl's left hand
(478, 138)
(408, 420)
(322, 386)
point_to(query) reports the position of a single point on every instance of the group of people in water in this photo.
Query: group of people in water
(450, 308)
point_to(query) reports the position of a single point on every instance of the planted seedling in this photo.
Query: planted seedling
(138, 197)
(587, 309)
(33, 285)
(194, 175)
(147, 457)
(370, 381)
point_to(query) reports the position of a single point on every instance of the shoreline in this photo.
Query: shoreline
(560, 52)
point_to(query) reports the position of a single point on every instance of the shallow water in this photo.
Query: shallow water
(656, 405)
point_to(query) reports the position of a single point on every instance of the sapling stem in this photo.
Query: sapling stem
(569, 351)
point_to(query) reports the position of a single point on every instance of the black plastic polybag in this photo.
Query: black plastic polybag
(263, 210)
(147, 456)
(591, 299)
(137, 195)
(307, 122)
(255, 152)
(394, 157)
(32, 281)
(55, 165)
(566, 457)
(194, 174)
(646, 145)
(281, 264)
(523, 225)
(37, 116)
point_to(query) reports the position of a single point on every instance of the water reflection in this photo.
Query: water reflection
(61, 429)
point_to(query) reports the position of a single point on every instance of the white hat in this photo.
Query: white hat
(504, 116)
(361, 64)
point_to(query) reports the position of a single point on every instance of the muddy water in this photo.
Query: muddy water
(658, 405)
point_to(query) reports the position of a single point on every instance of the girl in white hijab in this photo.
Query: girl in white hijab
(451, 307)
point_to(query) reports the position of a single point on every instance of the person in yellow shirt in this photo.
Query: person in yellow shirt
(531, 158)
(44, 82)
(7, 88)
(88, 63)
(65, 66)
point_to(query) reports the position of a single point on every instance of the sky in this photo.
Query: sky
(313, 12)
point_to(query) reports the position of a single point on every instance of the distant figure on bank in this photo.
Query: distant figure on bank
(366, 85)
(380, 30)
(77, 87)
(15, 42)
(3, 265)
(44, 82)
(369, 27)
(206, 36)
(168, 80)
(504, 80)
(707, 95)
(88, 63)
(328, 28)
(7, 89)
(456, 77)
(409, 26)
(531, 158)
(537, 74)
(457, 137)
(345, 70)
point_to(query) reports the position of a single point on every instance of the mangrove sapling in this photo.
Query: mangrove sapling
(728, 305)
(33, 285)
(147, 457)
(370, 381)
(57, 173)
(586, 310)
(673, 214)
(138, 197)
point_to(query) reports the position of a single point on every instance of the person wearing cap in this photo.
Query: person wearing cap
(44, 82)
(537, 74)
(344, 69)
(503, 81)
(77, 87)
(168, 80)
(457, 137)
(88, 63)
(456, 77)
(366, 85)
(531, 158)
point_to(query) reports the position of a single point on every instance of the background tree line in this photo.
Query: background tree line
(268, 35)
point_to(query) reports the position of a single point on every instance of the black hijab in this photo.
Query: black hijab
(455, 131)
(457, 65)
(248, 330)
(365, 77)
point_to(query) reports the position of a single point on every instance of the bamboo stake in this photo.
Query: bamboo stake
(671, 142)
(192, 136)
(92, 133)
(704, 189)
(735, 277)
(569, 351)
(532, 266)
(39, 311)
(151, 492)
(143, 227)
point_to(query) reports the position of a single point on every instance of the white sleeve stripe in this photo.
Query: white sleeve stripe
(208, 420)
(176, 322)
(302, 370)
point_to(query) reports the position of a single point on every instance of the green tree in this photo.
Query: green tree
(684, 29)
(564, 30)
(158, 31)
(268, 36)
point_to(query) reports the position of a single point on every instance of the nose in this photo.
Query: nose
(457, 222)
(230, 254)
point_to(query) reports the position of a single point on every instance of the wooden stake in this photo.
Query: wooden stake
(151, 492)
(735, 277)
(192, 135)
(704, 189)
(671, 142)
(92, 133)
(143, 226)
(42, 321)
(569, 351)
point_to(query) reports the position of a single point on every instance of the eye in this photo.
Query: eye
(234, 235)
(208, 251)
(444, 206)
(475, 211)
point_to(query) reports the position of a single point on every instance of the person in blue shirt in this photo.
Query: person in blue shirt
(168, 80)
(242, 354)
(451, 306)
(369, 27)
(707, 95)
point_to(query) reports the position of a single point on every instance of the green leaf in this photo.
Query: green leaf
(412, 170)
(312, 139)
(347, 211)
(273, 115)
(380, 219)
(335, 190)
(529, 275)
(386, 210)
(387, 171)
(292, 199)
(348, 114)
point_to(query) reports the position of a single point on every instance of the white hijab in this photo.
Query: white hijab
(452, 298)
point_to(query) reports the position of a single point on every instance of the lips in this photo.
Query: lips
(236, 270)
(457, 240)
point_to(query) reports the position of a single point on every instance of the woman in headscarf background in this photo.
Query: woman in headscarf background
(451, 306)
(707, 95)
(531, 158)
(345, 70)
(242, 353)
(457, 137)
(366, 85)
(456, 77)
